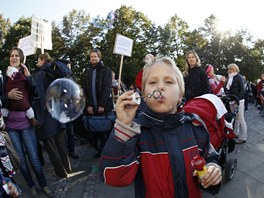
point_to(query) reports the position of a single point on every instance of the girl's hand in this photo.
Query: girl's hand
(13, 192)
(212, 177)
(15, 94)
(125, 108)
(26, 71)
(223, 79)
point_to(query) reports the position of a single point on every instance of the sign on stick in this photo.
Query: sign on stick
(41, 33)
(123, 45)
(26, 44)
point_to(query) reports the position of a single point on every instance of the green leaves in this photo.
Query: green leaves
(78, 33)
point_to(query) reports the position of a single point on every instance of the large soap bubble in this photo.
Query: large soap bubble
(64, 100)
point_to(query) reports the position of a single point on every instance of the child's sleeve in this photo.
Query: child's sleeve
(211, 158)
(119, 160)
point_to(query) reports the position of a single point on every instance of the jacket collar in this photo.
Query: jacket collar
(149, 118)
(97, 66)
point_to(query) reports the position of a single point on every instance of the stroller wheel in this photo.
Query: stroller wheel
(230, 169)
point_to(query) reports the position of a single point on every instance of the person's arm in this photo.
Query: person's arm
(211, 180)
(85, 87)
(241, 87)
(34, 90)
(213, 175)
(119, 160)
(204, 82)
(106, 88)
(218, 87)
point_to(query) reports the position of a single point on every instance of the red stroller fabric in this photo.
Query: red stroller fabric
(206, 110)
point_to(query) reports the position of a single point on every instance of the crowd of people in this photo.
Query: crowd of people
(140, 140)
(145, 144)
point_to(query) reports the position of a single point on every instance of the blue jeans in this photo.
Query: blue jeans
(25, 142)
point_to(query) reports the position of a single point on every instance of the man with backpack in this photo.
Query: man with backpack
(97, 88)
(51, 131)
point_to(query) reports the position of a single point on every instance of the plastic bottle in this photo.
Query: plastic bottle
(199, 165)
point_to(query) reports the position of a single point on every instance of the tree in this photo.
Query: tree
(5, 25)
(173, 36)
(77, 34)
(134, 25)
(17, 31)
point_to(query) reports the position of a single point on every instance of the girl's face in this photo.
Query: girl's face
(230, 70)
(192, 61)
(162, 77)
(14, 59)
(211, 73)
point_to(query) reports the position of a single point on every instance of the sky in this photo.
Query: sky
(232, 14)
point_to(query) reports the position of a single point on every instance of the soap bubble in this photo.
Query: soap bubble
(106, 23)
(64, 100)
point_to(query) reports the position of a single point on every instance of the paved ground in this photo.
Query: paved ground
(248, 181)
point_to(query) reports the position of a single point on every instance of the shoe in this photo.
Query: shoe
(33, 192)
(74, 155)
(48, 192)
(240, 141)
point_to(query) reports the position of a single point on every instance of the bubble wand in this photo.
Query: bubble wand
(156, 94)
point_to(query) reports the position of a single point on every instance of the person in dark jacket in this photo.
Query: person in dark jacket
(157, 148)
(235, 86)
(195, 78)
(97, 87)
(51, 132)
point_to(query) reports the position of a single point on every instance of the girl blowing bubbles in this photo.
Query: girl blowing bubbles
(156, 148)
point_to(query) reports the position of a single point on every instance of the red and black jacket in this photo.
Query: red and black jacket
(159, 159)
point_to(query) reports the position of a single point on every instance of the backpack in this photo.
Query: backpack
(56, 70)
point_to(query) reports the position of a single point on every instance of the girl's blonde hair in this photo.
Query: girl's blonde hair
(187, 66)
(168, 61)
(234, 67)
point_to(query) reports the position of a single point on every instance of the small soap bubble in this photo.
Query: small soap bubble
(65, 100)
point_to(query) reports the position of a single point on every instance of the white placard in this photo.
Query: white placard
(26, 44)
(41, 33)
(123, 45)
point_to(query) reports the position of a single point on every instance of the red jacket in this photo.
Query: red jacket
(139, 80)
(259, 86)
(159, 159)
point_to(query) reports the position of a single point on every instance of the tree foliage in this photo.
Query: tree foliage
(78, 33)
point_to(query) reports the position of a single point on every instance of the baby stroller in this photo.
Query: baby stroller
(213, 112)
